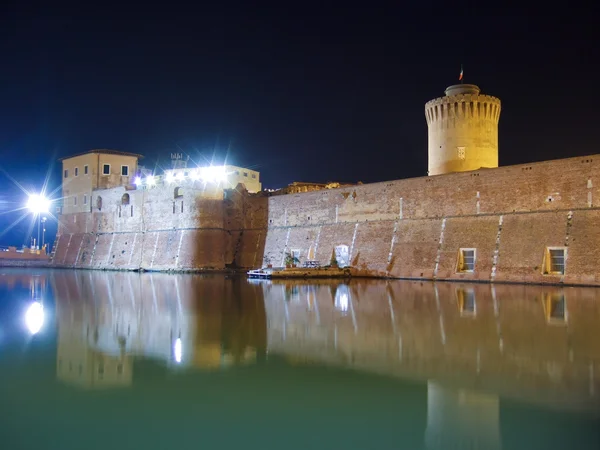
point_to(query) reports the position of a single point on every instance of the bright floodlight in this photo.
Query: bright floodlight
(215, 174)
(170, 177)
(177, 350)
(38, 204)
(138, 181)
(150, 180)
(34, 317)
(195, 174)
(180, 176)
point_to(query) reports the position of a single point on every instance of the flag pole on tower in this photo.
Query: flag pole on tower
(460, 77)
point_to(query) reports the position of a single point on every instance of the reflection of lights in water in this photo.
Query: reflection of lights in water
(34, 317)
(178, 350)
(341, 302)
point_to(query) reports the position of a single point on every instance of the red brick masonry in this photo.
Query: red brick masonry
(403, 229)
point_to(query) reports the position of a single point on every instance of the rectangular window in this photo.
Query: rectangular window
(75, 201)
(85, 199)
(253, 175)
(555, 261)
(76, 171)
(125, 171)
(466, 260)
(245, 174)
(85, 169)
(237, 172)
(106, 169)
(66, 173)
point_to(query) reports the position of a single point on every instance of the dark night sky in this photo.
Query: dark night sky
(300, 94)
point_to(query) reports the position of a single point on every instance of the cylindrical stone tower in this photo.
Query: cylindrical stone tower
(463, 130)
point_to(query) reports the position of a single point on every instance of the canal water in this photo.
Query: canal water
(160, 361)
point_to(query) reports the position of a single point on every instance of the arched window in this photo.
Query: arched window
(99, 203)
(178, 192)
(125, 199)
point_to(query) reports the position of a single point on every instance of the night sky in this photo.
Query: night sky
(298, 93)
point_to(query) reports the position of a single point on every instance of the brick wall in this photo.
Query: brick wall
(414, 228)
(407, 228)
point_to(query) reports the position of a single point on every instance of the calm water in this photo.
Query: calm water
(117, 360)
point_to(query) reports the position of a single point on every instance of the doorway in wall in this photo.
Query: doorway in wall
(342, 256)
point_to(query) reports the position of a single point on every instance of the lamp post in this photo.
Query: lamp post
(38, 205)
(43, 230)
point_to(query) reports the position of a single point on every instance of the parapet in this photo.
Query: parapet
(463, 100)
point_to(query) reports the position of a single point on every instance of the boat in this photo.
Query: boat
(301, 272)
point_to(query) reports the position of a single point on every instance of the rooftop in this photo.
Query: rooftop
(104, 151)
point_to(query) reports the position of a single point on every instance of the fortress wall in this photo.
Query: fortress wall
(415, 248)
(251, 248)
(155, 231)
(584, 240)
(544, 186)
(329, 234)
(407, 228)
(509, 215)
(418, 247)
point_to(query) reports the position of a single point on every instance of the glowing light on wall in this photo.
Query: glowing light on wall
(150, 181)
(195, 175)
(170, 177)
(180, 176)
(138, 181)
(34, 317)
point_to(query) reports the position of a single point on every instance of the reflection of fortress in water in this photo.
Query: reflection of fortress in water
(528, 343)
(183, 321)
(517, 341)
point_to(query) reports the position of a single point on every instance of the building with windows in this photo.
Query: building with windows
(95, 169)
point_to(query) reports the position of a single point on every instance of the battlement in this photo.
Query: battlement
(470, 106)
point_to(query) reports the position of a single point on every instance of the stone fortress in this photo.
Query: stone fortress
(468, 220)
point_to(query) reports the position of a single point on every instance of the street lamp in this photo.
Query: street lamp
(38, 205)
(43, 230)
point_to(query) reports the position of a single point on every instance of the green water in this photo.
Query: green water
(117, 360)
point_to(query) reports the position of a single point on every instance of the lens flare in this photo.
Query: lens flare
(38, 204)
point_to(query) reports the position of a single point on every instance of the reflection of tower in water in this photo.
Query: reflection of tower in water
(461, 419)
